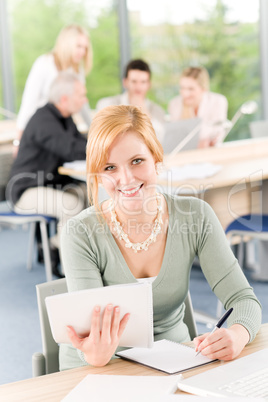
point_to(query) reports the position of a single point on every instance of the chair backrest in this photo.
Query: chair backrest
(189, 317)
(258, 128)
(50, 347)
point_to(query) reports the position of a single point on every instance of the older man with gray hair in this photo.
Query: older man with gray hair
(50, 139)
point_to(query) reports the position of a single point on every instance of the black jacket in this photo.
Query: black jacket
(48, 141)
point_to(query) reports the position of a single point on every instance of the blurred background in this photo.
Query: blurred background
(222, 35)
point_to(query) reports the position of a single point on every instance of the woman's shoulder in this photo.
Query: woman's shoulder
(186, 205)
(215, 97)
(45, 59)
(44, 64)
(174, 101)
(87, 221)
(89, 214)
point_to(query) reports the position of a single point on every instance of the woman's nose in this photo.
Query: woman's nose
(126, 176)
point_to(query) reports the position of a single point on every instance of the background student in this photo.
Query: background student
(137, 83)
(51, 138)
(72, 52)
(195, 100)
(161, 236)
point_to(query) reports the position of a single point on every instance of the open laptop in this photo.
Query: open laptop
(244, 377)
(258, 128)
(176, 131)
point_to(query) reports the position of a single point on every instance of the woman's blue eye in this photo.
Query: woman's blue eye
(137, 161)
(109, 168)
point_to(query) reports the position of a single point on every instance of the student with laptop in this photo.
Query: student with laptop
(140, 234)
(195, 100)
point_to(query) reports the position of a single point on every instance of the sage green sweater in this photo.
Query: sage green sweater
(91, 259)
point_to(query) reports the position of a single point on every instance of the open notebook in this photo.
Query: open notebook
(167, 356)
(75, 309)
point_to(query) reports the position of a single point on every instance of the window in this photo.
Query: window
(34, 26)
(221, 35)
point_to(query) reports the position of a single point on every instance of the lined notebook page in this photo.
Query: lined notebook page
(167, 356)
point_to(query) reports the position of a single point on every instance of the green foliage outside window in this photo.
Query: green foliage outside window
(229, 51)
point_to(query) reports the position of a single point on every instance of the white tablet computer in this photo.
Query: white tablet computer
(75, 309)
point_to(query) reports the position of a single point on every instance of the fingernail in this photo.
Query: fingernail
(117, 309)
(97, 309)
(109, 307)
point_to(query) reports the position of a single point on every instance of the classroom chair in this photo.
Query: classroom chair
(47, 362)
(253, 226)
(12, 218)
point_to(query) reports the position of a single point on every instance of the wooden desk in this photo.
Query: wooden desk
(54, 387)
(239, 188)
(7, 131)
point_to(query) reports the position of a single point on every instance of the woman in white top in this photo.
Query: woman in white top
(196, 100)
(73, 52)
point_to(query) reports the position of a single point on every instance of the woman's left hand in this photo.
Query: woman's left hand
(223, 344)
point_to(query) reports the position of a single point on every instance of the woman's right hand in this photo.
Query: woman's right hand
(99, 346)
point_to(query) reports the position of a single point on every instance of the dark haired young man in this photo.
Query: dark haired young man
(137, 82)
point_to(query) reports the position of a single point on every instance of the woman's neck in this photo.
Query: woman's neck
(146, 215)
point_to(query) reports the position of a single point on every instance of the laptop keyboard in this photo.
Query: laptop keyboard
(253, 385)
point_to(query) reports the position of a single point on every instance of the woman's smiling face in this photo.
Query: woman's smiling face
(129, 175)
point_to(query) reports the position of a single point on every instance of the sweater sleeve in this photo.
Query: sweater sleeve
(224, 274)
(81, 272)
(41, 73)
(80, 260)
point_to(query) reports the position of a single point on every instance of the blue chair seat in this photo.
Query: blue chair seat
(253, 224)
(13, 214)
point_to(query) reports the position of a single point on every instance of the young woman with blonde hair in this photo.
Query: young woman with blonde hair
(196, 100)
(72, 52)
(140, 234)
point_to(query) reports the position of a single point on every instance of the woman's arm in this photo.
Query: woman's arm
(223, 344)
(42, 72)
(82, 272)
(230, 285)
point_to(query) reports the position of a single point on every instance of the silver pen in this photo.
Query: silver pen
(220, 322)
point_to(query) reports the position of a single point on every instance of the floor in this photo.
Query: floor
(20, 332)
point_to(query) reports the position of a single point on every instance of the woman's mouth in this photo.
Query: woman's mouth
(131, 192)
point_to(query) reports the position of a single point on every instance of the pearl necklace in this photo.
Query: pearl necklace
(118, 230)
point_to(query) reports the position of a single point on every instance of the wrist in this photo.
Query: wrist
(241, 333)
